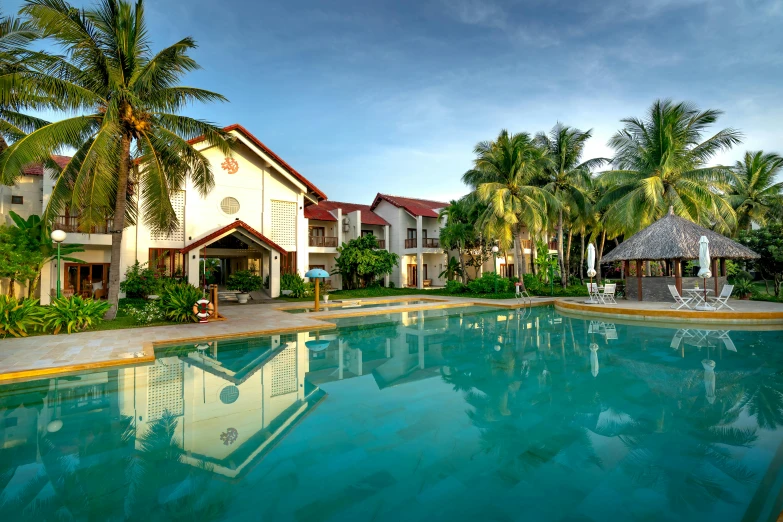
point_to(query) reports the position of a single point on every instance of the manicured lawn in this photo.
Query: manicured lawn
(401, 292)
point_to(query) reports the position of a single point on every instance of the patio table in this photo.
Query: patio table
(698, 298)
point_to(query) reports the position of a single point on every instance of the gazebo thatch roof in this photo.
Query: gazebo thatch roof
(673, 237)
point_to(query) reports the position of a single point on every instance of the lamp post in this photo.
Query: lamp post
(495, 250)
(58, 236)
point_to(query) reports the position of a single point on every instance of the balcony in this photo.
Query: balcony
(528, 244)
(382, 244)
(323, 241)
(72, 224)
(427, 242)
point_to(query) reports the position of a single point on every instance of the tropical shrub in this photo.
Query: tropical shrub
(360, 262)
(489, 283)
(140, 281)
(743, 288)
(17, 317)
(73, 314)
(176, 302)
(244, 281)
(294, 283)
(456, 287)
(145, 313)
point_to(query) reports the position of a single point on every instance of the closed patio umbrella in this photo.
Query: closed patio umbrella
(704, 268)
(591, 268)
(709, 379)
(594, 359)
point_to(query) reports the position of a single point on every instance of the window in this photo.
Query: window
(367, 233)
(17, 200)
(411, 233)
(313, 267)
(317, 232)
(166, 261)
(229, 205)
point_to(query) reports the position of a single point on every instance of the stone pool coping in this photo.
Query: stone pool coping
(48, 356)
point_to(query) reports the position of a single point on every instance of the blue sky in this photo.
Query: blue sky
(363, 96)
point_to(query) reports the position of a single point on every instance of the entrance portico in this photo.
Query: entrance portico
(267, 253)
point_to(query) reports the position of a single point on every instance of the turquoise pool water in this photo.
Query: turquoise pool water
(341, 306)
(457, 414)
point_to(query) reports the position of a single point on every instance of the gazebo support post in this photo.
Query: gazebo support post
(714, 269)
(678, 274)
(639, 278)
(723, 268)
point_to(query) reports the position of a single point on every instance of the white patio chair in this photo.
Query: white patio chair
(723, 335)
(592, 289)
(723, 299)
(608, 295)
(610, 331)
(679, 335)
(679, 301)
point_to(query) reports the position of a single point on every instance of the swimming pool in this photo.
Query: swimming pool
(356, 304)
(459, 414)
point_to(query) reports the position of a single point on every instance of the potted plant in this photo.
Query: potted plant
(244, 282)
(743, 288)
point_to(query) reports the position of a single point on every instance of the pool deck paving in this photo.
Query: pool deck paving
(50, 355)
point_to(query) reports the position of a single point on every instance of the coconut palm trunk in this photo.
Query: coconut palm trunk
(560, 256)
(519, 254)
(568, 255)
(120, 202)
(600, 254)
(582, 259)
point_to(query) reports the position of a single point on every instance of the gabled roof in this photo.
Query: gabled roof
(415, 207)
(37, 169)
(322, 211)
(232, 226)
(239, 128)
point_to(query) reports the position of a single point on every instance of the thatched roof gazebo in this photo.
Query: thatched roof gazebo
(673, 239)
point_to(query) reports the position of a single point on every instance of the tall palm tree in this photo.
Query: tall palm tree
(127, 131)
(566, 176)
(501, 176)
(661, 161)
(459, 231)
(753, 188)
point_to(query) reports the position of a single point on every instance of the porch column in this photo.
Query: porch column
(340, 239)
(194, 277)
(678, 274)
(274, 273)
(49, 281)
(419, 254)
(714, 270)
(387, 248)
(723, 268)
(639, 269)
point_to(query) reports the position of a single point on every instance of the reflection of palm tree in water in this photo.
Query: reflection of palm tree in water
(117, 474)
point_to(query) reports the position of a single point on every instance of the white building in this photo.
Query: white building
(252, 219)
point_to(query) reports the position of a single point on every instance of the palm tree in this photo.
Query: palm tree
(127, 99)
(459, 231)
(566, 177)
(502, 175)
(753, 188)
(661, 162)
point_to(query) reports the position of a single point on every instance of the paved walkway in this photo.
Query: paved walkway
(47, 355)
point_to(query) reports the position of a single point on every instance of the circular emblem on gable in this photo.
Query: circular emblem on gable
(229, 394)
(230, 165)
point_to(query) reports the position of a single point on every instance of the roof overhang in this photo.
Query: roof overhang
(241, 228)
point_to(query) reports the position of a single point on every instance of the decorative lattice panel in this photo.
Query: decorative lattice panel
(165, 389)
(284, 371)
(178, 202)
(284, 224)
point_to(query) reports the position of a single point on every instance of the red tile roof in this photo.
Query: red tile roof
(368, 216)
(235, 224)
(268, 151)
(416, 207)
(36, 169)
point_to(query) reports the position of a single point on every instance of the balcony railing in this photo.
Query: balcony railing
(427, 242)
(73, 224)
(323, 241)
(526, 243)
(382, 244)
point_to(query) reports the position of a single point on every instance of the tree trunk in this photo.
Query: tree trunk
(119, 225)
(599, 255)
(12, 285)
(34, 283)
(560, 253)
(582, 259)
(462, 264)
(533, 253)
(519, 254)
(568, 256)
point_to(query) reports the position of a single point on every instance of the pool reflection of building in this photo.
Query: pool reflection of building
(234, 399)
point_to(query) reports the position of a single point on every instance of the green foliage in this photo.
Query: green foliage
(547, 263)
(768, 243)
(177, 301)
(754, 189)
(360, 262)
(146, 313)
(73, 314)
(295, 283)
(743, 287)
(456, 287)
(244, 281)
(452, 269)
(140, 281)
(535, 287)
(207, 267)
(19, 255)
(18, 317)
(489, 283)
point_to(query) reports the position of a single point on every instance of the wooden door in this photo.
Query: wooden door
(412, 275)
